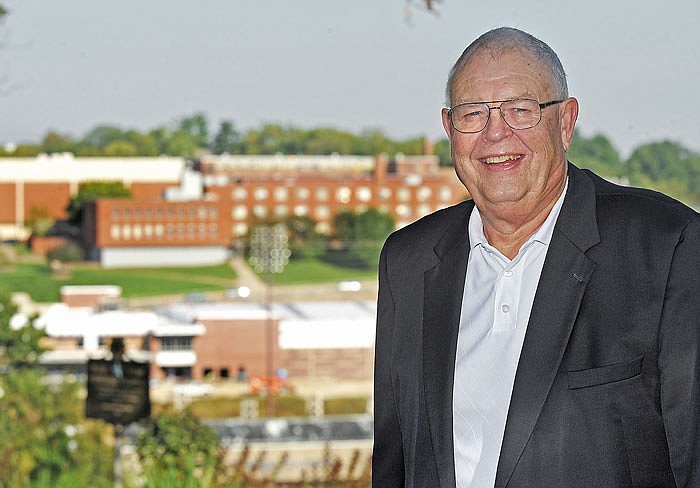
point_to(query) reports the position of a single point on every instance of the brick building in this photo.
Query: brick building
(44, 185)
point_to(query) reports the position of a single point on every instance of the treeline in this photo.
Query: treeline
(191, 135)
(665, 165)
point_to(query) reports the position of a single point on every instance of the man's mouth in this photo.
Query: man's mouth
(501, 159)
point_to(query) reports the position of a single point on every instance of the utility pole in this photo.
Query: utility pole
(269, 254)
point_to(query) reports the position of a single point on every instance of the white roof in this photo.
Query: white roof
(63, 321)
(64, 167)
(303, 325)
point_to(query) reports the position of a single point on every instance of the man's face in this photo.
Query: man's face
(519, 171)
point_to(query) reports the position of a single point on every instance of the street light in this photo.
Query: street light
(269, 254)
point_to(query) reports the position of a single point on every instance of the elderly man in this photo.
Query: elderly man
(546, 333)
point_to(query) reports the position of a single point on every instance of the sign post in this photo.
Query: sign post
(117, 392)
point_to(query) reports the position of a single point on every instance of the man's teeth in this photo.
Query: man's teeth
(501, 159)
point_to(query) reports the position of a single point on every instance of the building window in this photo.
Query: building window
(240, 229)
(322, 212)
(364, 194)
(403, 210)
(159, 230)
(303, 193)
(260, 193)
(323, 228)
(202, 212)
(281, 194)
(115, 213)
(424, 209)
(423, 193)
(213, 229)
(178, 343)
(223, 373)
(148, 230)
(281, 211)
(239, 193)
(126, 231)
(127, 212)
(403, 194)
(114, 232)
(239, 212)
(213, 212)
(202, 230)
(322, 194)
(137, 212)
(445, 193)
(343, 194)
(138, 232)
(301, 210)
(385, 193)
(260, 211)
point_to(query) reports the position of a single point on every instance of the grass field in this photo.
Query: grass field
(312, 270)
(44, 286)
(37, 279)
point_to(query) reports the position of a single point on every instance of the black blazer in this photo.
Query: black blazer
(607, 390)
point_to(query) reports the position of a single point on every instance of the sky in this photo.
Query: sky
(71, 65)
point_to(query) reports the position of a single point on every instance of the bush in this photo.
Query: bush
(66, 253)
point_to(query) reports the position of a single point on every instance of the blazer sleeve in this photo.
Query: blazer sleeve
(679, 358)
(387, 458)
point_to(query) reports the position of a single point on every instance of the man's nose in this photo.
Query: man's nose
(496, 127)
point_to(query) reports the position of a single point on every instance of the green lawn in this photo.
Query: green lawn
(43, 286)
(310, 270)
(37, 279)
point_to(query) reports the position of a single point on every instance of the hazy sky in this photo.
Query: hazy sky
(69, 65)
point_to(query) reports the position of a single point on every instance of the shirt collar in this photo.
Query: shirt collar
(542, 235)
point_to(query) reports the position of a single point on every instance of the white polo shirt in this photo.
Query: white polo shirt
(498, 297)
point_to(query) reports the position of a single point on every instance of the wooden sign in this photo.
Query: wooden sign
(117, 391)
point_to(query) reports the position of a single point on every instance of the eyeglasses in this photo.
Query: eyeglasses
(521, 113)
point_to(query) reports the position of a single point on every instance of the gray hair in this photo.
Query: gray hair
(505, 39)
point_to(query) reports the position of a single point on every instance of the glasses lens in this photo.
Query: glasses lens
(470, 117)
(521, 114)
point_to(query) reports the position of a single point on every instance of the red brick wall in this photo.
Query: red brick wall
(52, 197)
(329, 363)
(233, 343)
(7, 203)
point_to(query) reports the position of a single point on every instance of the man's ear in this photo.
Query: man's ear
(446, 124)
(568, 114)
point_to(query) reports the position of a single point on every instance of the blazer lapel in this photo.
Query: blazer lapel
(442, 304)
(562, 283)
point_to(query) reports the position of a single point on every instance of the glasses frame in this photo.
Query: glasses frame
(542, 106)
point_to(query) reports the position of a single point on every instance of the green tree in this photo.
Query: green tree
(182, 144)
(596, 153)
(666, 166)
(45, 440)
(227, 140)
(120, 149)
(176, 448)
(197, 126)
(362, 234)
(304, 241)
(92, 190)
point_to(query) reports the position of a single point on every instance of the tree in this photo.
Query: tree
(227, 140)
(596, 153)
(176, 448)
(196, 125)
(44, 441)
(303, 239)
(92, 190)
(666, 166)
(362, 234)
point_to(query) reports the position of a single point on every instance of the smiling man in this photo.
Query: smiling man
(547, 332)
